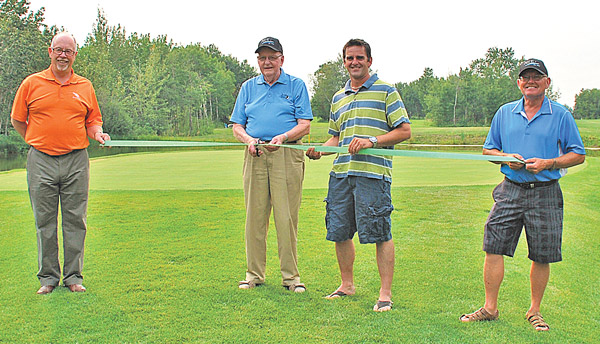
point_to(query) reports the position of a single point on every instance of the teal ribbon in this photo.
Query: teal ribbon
(319, 148)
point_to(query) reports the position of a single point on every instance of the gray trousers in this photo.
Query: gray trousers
(50, 180)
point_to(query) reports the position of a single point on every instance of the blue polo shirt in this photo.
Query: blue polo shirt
(270, 110)
(551, 133)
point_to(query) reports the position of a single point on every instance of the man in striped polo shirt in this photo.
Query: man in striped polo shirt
(366, 113)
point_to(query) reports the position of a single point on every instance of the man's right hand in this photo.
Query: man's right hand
(516, 165)
(312, 154)
(253, 148)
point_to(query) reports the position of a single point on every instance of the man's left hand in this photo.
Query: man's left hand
(101, 137)
(277, 140)
(357, 144)
(537, 165)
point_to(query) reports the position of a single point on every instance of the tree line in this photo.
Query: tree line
(145, 86)
(152, 87)
(469, 98)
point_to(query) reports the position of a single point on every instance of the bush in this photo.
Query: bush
(12, 144)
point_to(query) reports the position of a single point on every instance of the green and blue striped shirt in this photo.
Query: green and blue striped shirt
(375, 109)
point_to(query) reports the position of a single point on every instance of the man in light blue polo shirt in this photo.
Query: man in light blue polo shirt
(272, 108)
(544, 136)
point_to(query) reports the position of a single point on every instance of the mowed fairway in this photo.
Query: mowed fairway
(165, 249)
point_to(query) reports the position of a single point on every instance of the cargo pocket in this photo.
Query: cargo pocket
(378, 223)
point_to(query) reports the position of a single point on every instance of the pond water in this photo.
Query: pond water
(20, 161)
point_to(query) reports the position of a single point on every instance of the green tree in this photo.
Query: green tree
(24, 42)
(472, 97)
(439, 102)
(186, 93)
(142, 101)
(587, 104)
(328, 79)
(496, 63)
(242, 71)
(414, 93)
(100, 60)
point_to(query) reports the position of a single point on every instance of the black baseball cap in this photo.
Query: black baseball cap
(271, 43)
(534, 64)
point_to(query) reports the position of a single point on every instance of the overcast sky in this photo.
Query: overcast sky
(405, 36)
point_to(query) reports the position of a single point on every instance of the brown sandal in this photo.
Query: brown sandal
(297, 288)
(537, 321)
(247, 284)
(479, 315)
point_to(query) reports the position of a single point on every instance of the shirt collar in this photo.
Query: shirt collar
(366, 85)
(48, 75)
(546, 108)
(283, 78)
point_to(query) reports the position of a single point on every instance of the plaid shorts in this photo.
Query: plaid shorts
(539, 210)
(359, 204)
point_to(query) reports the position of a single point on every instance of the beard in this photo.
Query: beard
(62, 66)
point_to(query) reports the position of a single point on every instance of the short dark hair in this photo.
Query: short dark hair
(357, 42)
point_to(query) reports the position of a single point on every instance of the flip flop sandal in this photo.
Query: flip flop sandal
(537, 321)
(296, 288)
(383, 306)
(336, 294)
(479, 315)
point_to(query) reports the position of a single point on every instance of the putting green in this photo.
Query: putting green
(222, 169)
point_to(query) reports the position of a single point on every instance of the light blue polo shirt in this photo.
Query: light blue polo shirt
(551, 133)
(270, 110)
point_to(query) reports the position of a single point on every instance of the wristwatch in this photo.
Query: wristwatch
(373, 140)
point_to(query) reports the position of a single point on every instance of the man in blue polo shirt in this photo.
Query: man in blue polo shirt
(542, 134)
(272, 108)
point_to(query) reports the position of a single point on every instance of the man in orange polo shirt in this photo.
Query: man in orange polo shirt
(54, 111)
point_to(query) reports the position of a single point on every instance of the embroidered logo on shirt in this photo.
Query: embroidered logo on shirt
(76, 96)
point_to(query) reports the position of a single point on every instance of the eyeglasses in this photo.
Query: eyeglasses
(536, 77)
(59, 51)
(271, 58)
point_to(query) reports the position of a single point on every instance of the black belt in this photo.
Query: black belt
(532, 185)
(285, 143)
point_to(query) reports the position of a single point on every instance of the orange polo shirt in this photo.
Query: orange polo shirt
(57, 116)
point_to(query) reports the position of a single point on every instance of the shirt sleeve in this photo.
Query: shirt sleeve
(302, 102)
(334, 129)
(20, 110)
(570, 139)
(395, 110)
(493, 139)
(94, 117)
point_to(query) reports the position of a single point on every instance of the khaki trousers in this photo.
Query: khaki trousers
(273, 181)
(51, 179)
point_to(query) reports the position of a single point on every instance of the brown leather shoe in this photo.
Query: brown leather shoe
(45, 289)
(76, 288)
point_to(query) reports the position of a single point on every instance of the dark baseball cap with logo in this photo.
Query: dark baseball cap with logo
(534, 64)
(271, 43)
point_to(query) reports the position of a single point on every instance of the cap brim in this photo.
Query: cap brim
(535, 69)
(266, 46)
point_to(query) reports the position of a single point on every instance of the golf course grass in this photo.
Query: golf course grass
(165, 249)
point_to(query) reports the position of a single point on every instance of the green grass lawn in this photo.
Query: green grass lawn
(165, 249)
